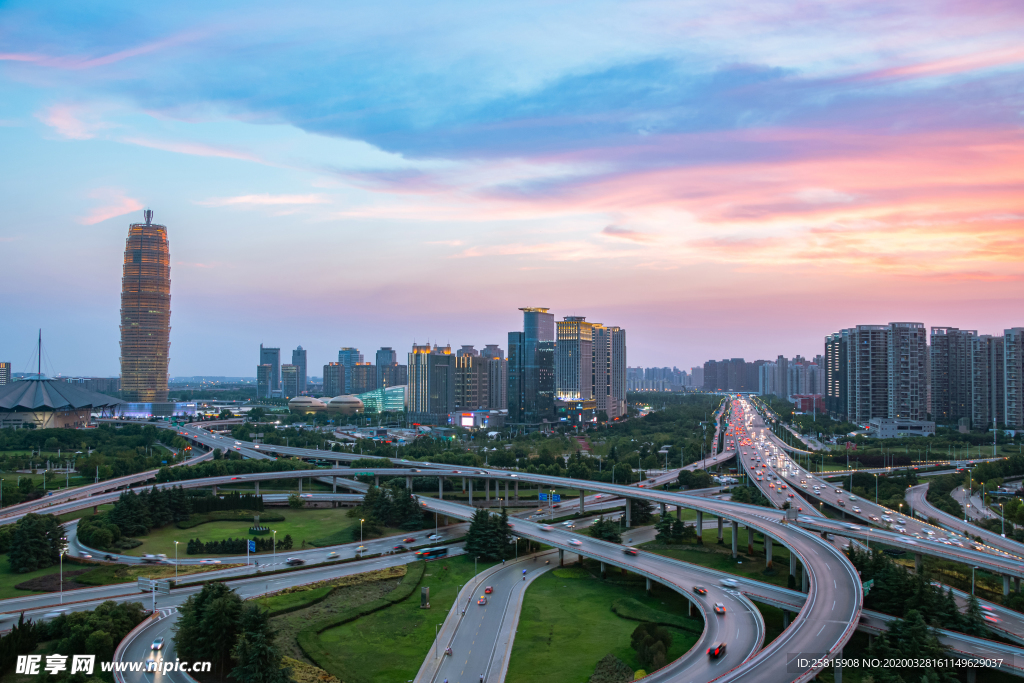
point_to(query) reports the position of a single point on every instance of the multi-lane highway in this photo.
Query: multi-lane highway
(916, 496)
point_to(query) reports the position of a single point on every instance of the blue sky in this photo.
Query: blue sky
(334, 174)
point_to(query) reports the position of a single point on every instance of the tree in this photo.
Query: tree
(258, 659)
(478, 535)
(294, 501)
(640, 511)
(208, 625)
(664, 529)
(605, 530)
(651, 643)
(973, 623)
(35, 543)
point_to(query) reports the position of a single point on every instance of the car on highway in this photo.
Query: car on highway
(398, 547)
(408, 539)
(729, 583)
(332, 555)
(294, 561)
(575, 541)
(719, 608)
(547, 527)
(853, 497)
(361, 549)
(488, 590)
(158, 644)
(873, 518)
(209, 561)
(856, 509)
(716, 651)
(700, 590)
(433, 537)
(86, 556)
(630, 551)
(482, 600)
(991, 618)
(886, 519)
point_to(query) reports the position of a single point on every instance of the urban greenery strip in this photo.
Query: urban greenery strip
(629, 608)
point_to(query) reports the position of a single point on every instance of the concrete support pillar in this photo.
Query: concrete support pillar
(300, 486)
(408, 484)
(440, 488)
(463, 484)
(257, 488)
(1006, 585)
(837, 670)
(628, 507)
(648, 586)
(803, 580)
(917, 562)
(470, 491)
(487, 492)
(689, 608)
(972, 675)
(602, 570)
(664, 510)
(582, 506)
(506, 494)
(768, 552)
(792, 563)
(376, 480)
(1016, 583)
(561, 557)
(750, 540)
(215, 488)
(735, 537)
(700, 527)
(95, 509)
(721, 534)
(679, 513)
(517, 491)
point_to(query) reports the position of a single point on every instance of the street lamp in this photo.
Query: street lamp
(436, 628)
(1002, 521)
(876, 488)
(176, 560)
(361, 530)
(275, 545)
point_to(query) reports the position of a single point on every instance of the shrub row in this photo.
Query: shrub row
(634, 610)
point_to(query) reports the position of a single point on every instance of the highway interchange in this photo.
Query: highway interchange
(825, 615)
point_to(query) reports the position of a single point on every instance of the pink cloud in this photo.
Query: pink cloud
(115, 204)
(625, 234)
(77, 62)
(71, 121)
(193, 148)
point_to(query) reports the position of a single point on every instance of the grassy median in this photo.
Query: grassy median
(568, 625)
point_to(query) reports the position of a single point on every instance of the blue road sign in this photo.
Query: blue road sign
(252, 546)
(543, 496)
(557, 498)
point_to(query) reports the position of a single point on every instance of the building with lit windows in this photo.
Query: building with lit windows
(574, 357)
(430, 394)
(145, 312)
(334, 379)
(531, 369)
(290, 380)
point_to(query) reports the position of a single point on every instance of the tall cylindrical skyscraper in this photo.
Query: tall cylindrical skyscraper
(145, 313)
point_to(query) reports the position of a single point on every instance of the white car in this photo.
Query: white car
(731, 583)
(853, 497)
(434, 537)
(856, 509)
(547, 527)
(209, 561)
(158, 644)
(575, 541)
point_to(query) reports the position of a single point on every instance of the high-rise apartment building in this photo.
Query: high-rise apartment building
(334, 379)
(988, 389)
(363, 378)
(290, 380)
(574, 357)
(299, 361)
(272, 357)
(497, 377)
(868, 373)
(697, 376)
(907, 377)
(386, 359)
(472, 379)
(531, 369)
(836, 374)
(264, 380)
(430, 395)
(1013, 376)
(951, 376)
(145, 312)
(608, 368)
(349, 357)
(5, 373)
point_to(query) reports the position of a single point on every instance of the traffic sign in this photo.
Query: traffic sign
(162, 586)
(868, 585)
(557, 498)
(542, 496)
(252, 546)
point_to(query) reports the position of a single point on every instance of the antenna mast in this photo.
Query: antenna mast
(39, 356)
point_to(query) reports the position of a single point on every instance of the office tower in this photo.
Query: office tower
(1013, 377)
(430, 395)
(867, 373)
(392, 375)
(145, 312)
(531, 369)
(608, 367)
(907, 359)
(386, 357)
(299, 361)
(264, 380)
(497, 377)
(836, 370)
(349, 357)
(334, 379)
(363, 378)
(574, 357)
(951, 381)
(290, 380)
(272, 357)
(472, 380)
(5, 374)
(988, 391)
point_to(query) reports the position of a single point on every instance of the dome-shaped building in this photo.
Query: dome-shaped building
(346, 405)
(306, 404)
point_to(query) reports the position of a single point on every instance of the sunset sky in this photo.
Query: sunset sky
(722, 179)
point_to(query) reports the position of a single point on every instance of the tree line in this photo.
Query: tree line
(235, 546)
(33, 542)
(385, 506)
(489, 536)
(216, 626)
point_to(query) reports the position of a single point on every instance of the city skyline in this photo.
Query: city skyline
(695, 172)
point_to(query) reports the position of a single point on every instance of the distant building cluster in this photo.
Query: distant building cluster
(662, 379)
(903, 371)
(785, 377)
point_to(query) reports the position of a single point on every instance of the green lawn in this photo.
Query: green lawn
(719, 557)
(306, 524)
(8, 579)
(402, 632)
(567, 626)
